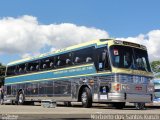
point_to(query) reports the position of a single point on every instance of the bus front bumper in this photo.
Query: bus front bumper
(126, 97)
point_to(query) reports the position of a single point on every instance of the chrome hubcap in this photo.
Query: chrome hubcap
(20, 98)
(84, 97)
(140, 106)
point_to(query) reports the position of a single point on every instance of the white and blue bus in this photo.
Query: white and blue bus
(156, 90)
(103, 71)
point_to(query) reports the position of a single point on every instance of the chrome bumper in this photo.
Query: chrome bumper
(121, 97)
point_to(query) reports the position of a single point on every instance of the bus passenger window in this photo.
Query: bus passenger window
(88, 59)
(44, 66)
(51, 65)
(68, 62)
(25, 69)
(37, 67)
(59, 63)
(77, 60)
(15, 71)
(103, 63)
(20, 70)
(31, 68)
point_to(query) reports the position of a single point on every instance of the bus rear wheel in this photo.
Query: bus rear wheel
(140, 106)
(21, 98)
(86, 98)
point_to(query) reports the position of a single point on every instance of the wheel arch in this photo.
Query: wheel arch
(18, 91)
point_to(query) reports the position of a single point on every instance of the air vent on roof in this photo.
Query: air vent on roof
(103, 40)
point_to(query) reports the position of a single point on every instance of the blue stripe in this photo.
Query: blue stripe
(53, 74)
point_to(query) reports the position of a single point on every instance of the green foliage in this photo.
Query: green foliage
(155, 66)
(2, 74)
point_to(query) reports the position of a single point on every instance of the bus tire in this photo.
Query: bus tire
(140, 106)
(86, 98)
(119, 105)
(21, 98)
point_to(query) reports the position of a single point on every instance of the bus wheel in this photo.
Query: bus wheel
(119, 105)
(140, 106)
(20, 98)
(86, 97)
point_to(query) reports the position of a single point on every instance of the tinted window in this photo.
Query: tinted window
(122, 57)
(47, 63)
(34, 66)
(128, 57)
(83, 55)
(141, 60)
(63, 60)
(11, 70)
(102, 62)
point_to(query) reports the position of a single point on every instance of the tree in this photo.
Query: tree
(155, 66)
(2, 74)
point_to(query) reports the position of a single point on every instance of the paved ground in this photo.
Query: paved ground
(76, 111)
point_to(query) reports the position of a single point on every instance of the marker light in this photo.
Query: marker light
(116, 87)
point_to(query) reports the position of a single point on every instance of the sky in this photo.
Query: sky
(29, 28)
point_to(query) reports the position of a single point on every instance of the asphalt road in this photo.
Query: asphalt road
(76, 112)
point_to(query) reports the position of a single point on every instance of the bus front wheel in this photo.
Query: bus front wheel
(86, 98)
(21, 98)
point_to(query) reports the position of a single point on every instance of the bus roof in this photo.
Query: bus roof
(96, 43)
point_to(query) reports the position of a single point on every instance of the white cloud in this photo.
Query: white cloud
(26, 35)
(151, 40)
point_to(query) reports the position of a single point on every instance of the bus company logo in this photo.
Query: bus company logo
(9, 117)
(138, 88)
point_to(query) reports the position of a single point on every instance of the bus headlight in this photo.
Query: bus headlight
(150, 88)
(125, 87)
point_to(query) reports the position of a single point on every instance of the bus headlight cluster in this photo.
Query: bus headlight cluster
(125, 87)
(116, 86)
(150, 89)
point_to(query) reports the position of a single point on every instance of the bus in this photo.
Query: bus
(156, 91)
(99, 71)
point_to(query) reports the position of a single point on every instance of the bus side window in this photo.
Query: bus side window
(68, 61)
(44, 66)
(51, 65)
(20, 70)
(59, 63)
(103, 62)
(15, 70)
(31, 68)
(64, 60)
(84, 55)
(11, 70)
(88, 59)
(77, 60)
(25, 69)
(37, 67)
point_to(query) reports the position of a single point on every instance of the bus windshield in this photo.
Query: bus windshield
(129, 58)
